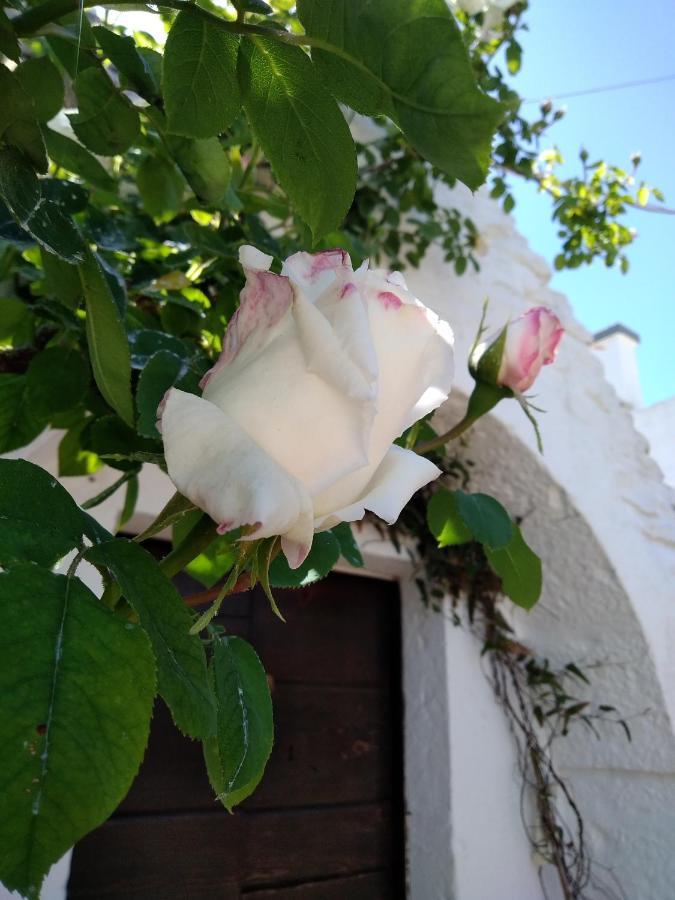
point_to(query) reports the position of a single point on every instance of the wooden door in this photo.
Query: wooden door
(326, 823)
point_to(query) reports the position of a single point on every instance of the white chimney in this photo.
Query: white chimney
(616, 348)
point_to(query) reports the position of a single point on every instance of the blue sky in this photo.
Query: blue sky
(580, 44)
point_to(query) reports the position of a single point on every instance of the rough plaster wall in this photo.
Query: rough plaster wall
(657, 423)
(596, 508)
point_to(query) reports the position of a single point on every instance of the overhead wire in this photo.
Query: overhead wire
(604, 89)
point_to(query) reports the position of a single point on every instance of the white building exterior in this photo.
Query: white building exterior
(596, 508)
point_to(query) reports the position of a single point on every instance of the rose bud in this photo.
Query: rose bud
(321, 369)
(513, 358)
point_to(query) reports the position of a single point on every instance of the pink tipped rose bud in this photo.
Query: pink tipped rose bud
(528, 343)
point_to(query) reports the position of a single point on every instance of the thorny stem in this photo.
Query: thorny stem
(451, 435)
(243, 583)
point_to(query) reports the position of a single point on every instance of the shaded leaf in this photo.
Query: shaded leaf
(74, 459)
(199, 77)
(161, 372)
(407, 60)
(181, 662)
(40, 217)
(18, 121)
(322, 557)
(106, 122)
(486, 517)
(9, 45)
(205, 165)
(301, 129)
(18, 423)
(445, 521)
(349, 549)
(42, 81)
(519, 569)
(39, 520)
(123, 53)
(216, 560)
(77, 685)
(107, 340)
(160, 185)
(70, 155)
(57, 379)
(62, 280)
(236, 757)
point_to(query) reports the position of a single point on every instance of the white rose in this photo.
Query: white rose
(321, 369)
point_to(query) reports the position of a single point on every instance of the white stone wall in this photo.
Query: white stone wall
(597, 510)
(657, 423)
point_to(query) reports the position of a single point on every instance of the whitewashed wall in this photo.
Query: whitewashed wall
(597, 510)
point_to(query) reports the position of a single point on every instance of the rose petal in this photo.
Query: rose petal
(313, 273)
(326, 354)
(400, 474)
(265, 299)
(252, 258)
(291, 412)
(230, 476)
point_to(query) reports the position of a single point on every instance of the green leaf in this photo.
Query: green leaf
(406, 59)
(199, 76)
(70, 155)
(16, 321)
(62, 280)
(39, 520)
(145, 343)
(122, 52)
(301, 129)
(18, 423)
(74, 459)
(216, 560)
(9, 45)
(57, 379)
(130, 501)
(519, 569)
(514, 55)
(322, 557)
(349, 549)
(108, 345)
(42, 81)
(161, 372)
(181, 662)
(106, 122)
(160, 185)
(18, 122)
(486, 517)
(116, 442)
(72, 52)
(76, 691)
(39, 216)
(236, 757)
(205, 165)
(445, 521)
(175, 508)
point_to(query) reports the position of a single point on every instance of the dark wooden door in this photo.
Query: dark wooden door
(326, 823)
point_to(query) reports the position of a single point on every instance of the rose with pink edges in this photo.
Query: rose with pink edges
(531, 341)
(322, 368)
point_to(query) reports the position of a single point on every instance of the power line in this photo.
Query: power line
(602, 90)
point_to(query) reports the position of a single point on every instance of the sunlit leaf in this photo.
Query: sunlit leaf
(77, 685)
(237, 755)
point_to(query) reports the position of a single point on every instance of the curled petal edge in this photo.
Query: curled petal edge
(231, 477)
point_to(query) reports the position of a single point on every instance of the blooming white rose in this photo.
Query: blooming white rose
(321, 369)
